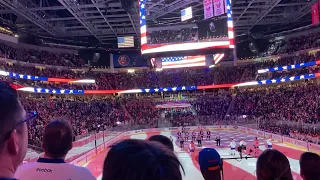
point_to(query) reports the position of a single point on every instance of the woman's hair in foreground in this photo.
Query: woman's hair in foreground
(273, 165)
(133, 159)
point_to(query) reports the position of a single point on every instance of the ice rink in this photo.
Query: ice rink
(233, 169)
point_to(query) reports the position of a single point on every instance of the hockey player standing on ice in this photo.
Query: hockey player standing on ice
(269, 142)
(256, 145)
(192, 148)
(194, 135)
(199, 140)
(179, 134)
(243, 145)
(201, 134)
(186, 135)
(208, 135)
(218, 140)
(233, 145)
(182, 141)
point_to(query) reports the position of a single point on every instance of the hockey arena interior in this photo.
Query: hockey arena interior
(160, 89)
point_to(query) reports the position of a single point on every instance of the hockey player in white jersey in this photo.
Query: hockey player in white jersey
(233, 145)
(243, 145)
(57, 141)
(269, 143)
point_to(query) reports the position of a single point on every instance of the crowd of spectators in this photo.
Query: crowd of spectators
(277, 47)
(172, 36)
(293, 131)
(41, 56)
(167, 78)
(142, 112)
(181, 117)
(84, 113)
(156, 156)
(293, 102)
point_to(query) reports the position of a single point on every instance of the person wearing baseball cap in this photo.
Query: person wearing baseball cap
(210, 164)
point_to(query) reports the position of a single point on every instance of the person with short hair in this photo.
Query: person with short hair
(179, 134)
(186, 136)
(141, 160)
(256, 145)
(218, 140)
(182, 141)
(163, 140)
(57, 142)
(272, 164)
(192, 148)
(208, 135)
(269, 143)
(309, 166)
(13, 131)
(233, 145)
(194, 135)
(199, 140)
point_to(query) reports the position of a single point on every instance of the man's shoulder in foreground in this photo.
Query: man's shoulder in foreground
(52, 171)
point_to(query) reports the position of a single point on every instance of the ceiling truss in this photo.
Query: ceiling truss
(106, 19)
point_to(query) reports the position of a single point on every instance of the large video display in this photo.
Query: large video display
(188, 27)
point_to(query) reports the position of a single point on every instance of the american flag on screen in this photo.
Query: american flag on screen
(125, 42)
(184, 46)
(230, 24)
(143, 27)
(183, 61)
(217, 58)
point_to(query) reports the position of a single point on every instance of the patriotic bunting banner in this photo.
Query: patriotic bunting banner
(156, 90)
(289, 67)
(41, 78)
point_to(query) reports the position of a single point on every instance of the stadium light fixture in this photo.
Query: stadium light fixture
(130, 70)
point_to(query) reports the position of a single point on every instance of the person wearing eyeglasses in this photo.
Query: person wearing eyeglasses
(13, 131)
(57, 141)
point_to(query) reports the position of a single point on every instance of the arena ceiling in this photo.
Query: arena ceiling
(106, 19)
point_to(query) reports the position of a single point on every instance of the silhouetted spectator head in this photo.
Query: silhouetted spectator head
(57, 139)
(309, 166)
(272, 164)
(141, 160)
(163, 140)
(13, 131)
(210, 164)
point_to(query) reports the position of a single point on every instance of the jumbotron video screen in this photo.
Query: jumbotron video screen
(185, 25)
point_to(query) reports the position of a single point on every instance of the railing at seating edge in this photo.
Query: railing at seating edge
(87, 156)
